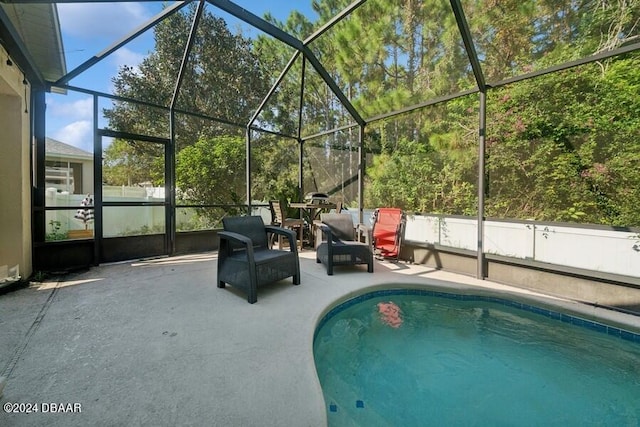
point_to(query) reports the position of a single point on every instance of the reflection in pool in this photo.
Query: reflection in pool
(415, 357)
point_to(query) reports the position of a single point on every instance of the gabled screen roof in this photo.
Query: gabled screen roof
(375, 57)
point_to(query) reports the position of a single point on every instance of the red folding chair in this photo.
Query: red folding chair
(388, 227)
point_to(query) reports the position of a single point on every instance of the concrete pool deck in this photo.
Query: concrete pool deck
(156, 343)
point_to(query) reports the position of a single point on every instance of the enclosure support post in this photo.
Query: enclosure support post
(481, 273)
(170, 148)
(300, 141)
(361, 173)
(98, 231)
(474, 60)
(248, 169)
(300, 170)
(38, 108)
(170, 185)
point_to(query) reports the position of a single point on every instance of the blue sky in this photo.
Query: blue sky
(88, 29)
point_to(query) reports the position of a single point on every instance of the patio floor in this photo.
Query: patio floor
(156, 343)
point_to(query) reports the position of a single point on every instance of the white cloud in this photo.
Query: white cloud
(79, 134)
(75, 110)
(95, 20)
(124, 56)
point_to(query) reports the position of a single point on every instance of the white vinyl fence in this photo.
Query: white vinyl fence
(118, 221)
(591, 248)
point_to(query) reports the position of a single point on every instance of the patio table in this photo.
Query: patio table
(309, 212)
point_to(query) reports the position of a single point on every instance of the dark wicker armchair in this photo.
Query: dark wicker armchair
(340, 242)
(245, 260)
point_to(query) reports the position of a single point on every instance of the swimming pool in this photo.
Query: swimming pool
(418, 357)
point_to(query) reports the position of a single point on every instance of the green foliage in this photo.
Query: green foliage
(199, 219)
(143, 231)
(560, 147)
(39, 276)
(212, 172)
(55, 233)
(275, 169)
(563, 147)
(436, 171)
(392, 181)
(223, 78)
(132, 163)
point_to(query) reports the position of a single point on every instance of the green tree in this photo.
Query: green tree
(131, 163)
(212, 172)
(435, 173)
(560, 147)
(564, 146)
(275, 169)
(223, 79)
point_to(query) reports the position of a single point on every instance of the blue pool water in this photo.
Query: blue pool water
(416, 358)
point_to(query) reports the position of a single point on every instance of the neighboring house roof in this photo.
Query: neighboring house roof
(60, 149)
(39, 28)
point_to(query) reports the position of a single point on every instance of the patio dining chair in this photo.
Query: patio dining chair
(245, 260)
(340, 242)
(279, 218)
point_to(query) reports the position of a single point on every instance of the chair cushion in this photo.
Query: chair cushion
(341, 225)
